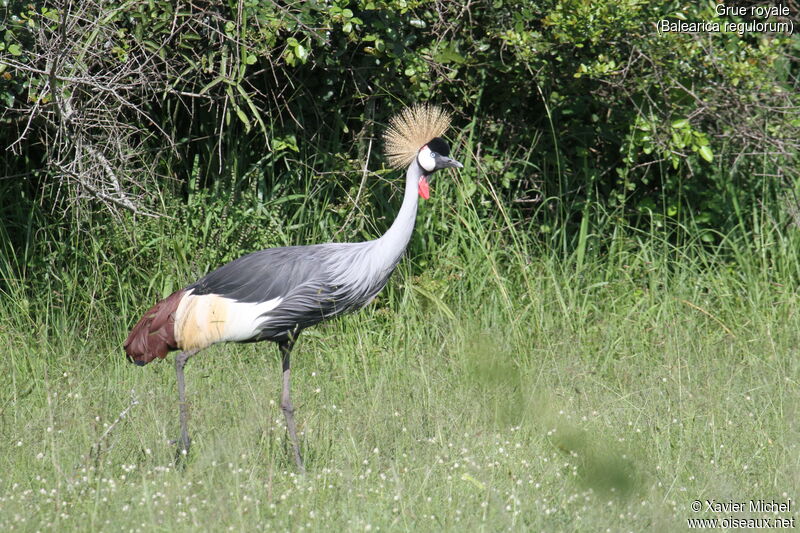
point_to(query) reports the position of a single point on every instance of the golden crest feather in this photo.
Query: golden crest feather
(410, 130)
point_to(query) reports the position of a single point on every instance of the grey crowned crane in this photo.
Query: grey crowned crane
(275, 294)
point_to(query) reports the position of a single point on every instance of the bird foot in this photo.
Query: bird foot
(182, 452)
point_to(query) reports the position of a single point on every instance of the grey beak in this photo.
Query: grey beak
(450, 163)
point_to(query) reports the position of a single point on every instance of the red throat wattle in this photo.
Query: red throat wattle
(423, 188)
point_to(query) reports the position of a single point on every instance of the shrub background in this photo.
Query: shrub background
(209, 111)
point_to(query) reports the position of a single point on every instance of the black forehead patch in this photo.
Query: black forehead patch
(439, 145)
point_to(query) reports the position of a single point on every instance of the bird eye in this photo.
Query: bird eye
(433, 154)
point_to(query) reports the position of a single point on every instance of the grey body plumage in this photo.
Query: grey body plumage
(314, 283)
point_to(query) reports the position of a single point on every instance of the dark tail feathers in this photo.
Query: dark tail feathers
(154, 335)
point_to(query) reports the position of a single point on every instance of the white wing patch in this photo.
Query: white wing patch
(244, 318)
(205, 319)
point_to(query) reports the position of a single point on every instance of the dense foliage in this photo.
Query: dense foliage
(255, 123)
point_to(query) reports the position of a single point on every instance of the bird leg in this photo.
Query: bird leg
(286, 400)
(180, 362)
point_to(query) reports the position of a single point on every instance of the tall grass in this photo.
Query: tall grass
(590, 380)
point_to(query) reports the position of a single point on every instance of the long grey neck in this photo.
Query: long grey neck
(393, 243)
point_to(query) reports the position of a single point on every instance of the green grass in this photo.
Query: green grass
(505, 389)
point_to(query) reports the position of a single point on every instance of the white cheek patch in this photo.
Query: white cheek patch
(426, 160)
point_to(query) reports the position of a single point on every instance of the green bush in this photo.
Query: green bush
(574, 116)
